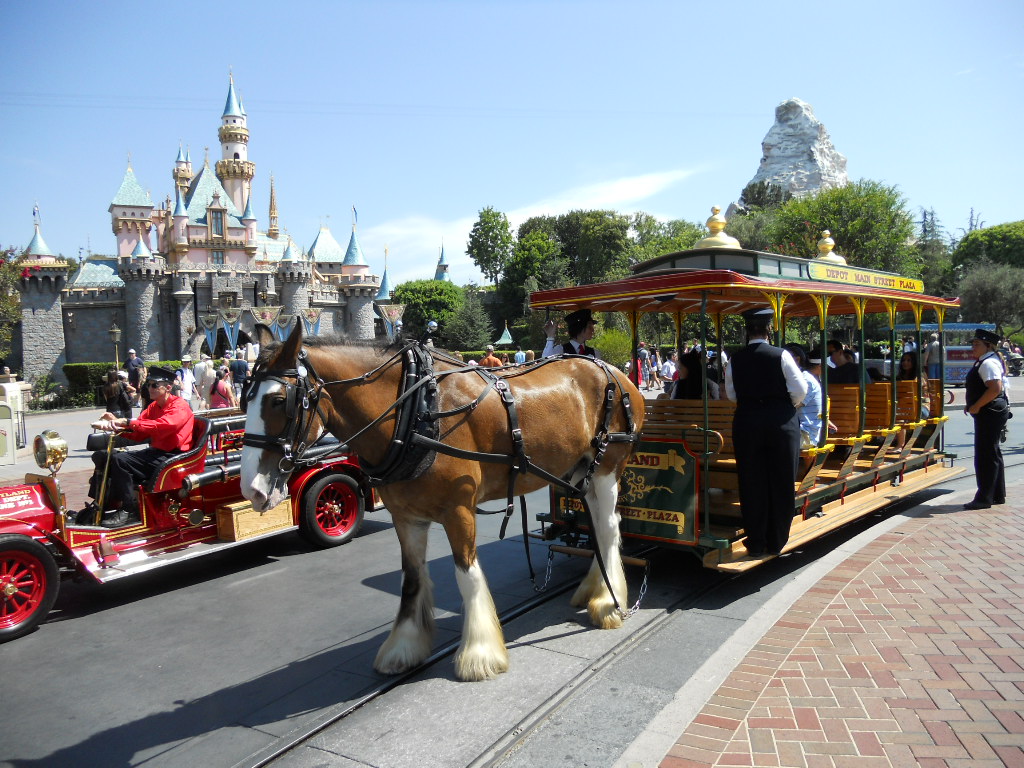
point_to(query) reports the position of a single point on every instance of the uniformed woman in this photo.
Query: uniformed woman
(988, 404)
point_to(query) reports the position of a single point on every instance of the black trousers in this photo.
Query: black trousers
(128, 469)
(766, 439)
(988, 458)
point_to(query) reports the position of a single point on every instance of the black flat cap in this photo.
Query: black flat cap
(159, 374)
(758, 313)
(987, 336)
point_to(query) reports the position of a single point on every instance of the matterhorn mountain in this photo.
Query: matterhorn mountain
(798, 155)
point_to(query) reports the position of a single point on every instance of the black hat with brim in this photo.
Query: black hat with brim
(580, 317)
(159, 374)
(758, 314)
(987, 336)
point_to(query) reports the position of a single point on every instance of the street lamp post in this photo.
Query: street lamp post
(115, 336)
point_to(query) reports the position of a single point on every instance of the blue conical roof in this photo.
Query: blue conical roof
(131, 192)
(354, 254)
(325, 249)
(141, 250)
(38, 246)
(248, 215)
(181, 155)
(179, 204)
(384, 294)
(231, 107)
(441, 273)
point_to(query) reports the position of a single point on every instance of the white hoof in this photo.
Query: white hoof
(604, 614)
(477, 662)
(404, 649)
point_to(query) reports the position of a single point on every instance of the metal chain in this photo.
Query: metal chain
(643, 591)
(547, 574)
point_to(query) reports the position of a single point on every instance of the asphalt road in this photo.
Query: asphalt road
(212, 661)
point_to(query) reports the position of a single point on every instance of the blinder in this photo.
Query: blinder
(301, 397)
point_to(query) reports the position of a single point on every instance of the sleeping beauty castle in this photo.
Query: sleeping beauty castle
(194, 274)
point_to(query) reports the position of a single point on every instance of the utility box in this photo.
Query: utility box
(8, 438)
(12, 393)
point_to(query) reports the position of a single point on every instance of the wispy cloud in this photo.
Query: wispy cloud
(414, 242)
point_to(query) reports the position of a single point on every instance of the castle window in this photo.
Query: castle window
(236, 155)
(217, 223)
(217, 257)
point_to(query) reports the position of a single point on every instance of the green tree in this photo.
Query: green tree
(490, 243)
(934, 254)
(469, 327)
(427, 300)
(1001, 244)
(10, 299)
(536, 262)
(868, 220)
(602, 248)
(990, 293)
(763, 195)
(652, 238)
(614, 344)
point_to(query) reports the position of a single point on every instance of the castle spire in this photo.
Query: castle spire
(272, 230)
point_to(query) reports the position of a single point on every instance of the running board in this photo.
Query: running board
(132, 563)
(834, 515)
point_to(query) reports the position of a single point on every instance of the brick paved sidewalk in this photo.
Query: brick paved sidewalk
(911, 652)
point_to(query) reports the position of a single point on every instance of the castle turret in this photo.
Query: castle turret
(130, 214)
(182, 173)
(294, 275)
(143, 273)
(43, 277)
(234, 169)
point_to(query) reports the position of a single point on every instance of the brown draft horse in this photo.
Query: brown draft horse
(348, 391)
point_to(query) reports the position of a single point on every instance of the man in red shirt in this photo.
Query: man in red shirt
(166, 422)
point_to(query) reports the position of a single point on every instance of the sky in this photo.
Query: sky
(420, 114)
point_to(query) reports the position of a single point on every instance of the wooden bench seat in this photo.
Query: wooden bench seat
(684, 419)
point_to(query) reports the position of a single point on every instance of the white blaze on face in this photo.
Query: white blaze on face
(259, 466)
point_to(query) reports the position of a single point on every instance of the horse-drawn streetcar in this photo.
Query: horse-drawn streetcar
(680, 486)
(191, 506)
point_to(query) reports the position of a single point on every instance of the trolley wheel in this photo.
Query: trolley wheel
(29, 583)
(332, 511)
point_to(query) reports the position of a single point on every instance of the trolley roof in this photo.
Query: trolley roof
(735, 279)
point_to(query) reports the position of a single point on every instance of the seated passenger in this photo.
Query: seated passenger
(809, 412)
(689, 378)
(844, 369)
(166, 422)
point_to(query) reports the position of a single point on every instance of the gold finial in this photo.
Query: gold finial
(718, 238)
(206, 157)
(825, 246)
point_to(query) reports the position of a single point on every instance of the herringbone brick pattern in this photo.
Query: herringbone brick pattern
(911, 652)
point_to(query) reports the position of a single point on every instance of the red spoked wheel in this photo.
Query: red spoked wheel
(332, 511)
(29, 582)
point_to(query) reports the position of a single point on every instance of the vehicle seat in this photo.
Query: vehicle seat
(169, 473)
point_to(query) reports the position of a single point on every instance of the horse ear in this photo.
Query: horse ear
(290, 350)
(264, 336)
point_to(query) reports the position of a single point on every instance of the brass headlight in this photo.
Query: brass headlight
(50, 450)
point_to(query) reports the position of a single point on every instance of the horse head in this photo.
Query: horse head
(280, 421)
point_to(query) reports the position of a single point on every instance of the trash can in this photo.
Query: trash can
(11, 393)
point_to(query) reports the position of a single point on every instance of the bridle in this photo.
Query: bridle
(303, 389)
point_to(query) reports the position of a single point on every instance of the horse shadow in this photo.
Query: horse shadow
(267, 700)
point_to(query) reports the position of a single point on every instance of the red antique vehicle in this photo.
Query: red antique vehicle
(191, 506)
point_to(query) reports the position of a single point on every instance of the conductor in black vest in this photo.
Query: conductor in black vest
(767, 386)
(580, 325)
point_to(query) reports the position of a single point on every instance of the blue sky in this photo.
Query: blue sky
(422, 113)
